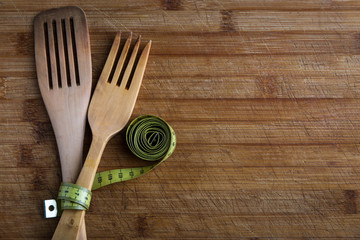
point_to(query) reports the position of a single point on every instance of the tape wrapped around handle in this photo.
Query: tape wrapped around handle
(148, 137)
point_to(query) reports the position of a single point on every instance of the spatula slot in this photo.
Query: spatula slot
(47, 49)
(76, 63)
(67, 60)
(56, 44)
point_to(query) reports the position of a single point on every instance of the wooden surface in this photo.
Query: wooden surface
(263, 96)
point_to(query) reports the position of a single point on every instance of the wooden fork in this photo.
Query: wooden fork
(110, 110)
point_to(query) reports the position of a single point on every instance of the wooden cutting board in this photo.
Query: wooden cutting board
(264, 97)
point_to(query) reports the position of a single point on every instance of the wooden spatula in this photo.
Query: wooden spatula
(63, 65)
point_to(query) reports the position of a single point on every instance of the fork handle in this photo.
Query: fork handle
(71, 221)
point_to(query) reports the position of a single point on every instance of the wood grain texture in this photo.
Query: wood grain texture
(264, 98)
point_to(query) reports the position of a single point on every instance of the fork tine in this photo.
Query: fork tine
(121, 61)
(110, 59)
(129, 67)
(140, 68)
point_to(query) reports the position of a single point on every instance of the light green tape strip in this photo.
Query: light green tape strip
(72, 196)
(148, 137)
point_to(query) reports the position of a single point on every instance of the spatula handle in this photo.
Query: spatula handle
(71, 221)
(71, 152)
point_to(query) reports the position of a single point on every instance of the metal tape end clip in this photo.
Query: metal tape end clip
(50, 208)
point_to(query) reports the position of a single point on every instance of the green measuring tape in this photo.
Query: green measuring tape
(148, 137)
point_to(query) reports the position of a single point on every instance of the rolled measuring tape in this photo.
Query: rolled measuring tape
(148, 137)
